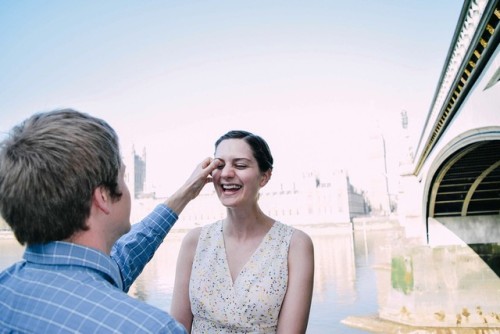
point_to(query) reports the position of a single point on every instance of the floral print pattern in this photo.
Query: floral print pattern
(252, 303)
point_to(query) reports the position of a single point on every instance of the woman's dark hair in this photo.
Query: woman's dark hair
(50, 166)
(260, 149)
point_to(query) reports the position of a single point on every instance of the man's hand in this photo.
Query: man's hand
(193, 185)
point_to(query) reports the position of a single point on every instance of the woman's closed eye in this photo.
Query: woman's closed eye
(240, 166)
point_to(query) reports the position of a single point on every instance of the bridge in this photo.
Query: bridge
(449, 204)
(458, 155)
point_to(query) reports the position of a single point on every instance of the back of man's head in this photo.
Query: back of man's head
(50, 165)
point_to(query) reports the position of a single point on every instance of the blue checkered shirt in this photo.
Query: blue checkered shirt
(62, 287)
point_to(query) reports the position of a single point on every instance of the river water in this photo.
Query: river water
(344, 285)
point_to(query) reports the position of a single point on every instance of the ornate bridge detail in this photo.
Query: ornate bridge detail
(474, 43)
(458, 153)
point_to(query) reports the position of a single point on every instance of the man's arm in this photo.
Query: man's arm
(135, 249)
(193, 185)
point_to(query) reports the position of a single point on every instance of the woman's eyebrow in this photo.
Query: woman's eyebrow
(241, 159)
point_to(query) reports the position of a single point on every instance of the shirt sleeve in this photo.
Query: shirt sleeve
(134, 250)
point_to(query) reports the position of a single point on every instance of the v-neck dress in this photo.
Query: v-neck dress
(252, 303)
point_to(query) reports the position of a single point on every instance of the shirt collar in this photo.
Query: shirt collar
(70, 254)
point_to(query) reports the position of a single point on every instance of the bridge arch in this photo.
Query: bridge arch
(464, 179)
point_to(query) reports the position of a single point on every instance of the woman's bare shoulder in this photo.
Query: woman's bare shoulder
(301, 241)
(191, 238)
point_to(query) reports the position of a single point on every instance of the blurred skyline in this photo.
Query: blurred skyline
(318, 79)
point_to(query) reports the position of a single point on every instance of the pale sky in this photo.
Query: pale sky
(314, 78)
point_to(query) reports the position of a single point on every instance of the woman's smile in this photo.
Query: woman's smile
(230, 188)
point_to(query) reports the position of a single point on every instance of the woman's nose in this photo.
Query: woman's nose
(227, 171)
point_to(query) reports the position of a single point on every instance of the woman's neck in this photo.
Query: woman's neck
(246, 223)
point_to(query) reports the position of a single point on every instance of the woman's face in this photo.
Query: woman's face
(238, 181)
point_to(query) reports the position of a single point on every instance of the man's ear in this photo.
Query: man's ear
(101, 199)
(266, 176)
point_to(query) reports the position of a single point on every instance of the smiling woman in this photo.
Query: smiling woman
(244, 172)
(247, 272)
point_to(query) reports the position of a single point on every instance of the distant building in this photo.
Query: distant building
(311, 199)
(376, 182)
(135, 176)
(139, 173)
(359, 205)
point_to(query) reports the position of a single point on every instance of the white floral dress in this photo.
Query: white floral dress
(252, 303)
